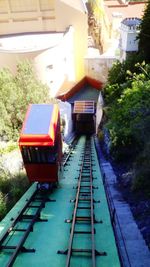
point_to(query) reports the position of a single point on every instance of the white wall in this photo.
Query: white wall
(56, 65)
(129, 41)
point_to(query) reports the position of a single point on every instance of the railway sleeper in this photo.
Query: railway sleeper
(80, 250)
(76, 250)
(82, 220)
(85, 199)
(44, 199)
(84, 193)
(86, 186)
(84, 208)
(31, 217)
(86, 178)
(22, 230)
(83, 232)
(87, 219)
(22, 249)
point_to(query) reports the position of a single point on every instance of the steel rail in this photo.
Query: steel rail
(15, 221)
(66, 156)
(86, 159)
(24, 237)
(92, 213)
(74, 217)
(20, 217)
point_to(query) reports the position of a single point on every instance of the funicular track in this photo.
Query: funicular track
(23, 224)
(67, 155)
(87, 234)
(84, 201)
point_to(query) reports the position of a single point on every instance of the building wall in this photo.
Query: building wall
(79, 22)
(99, 25)
(128, 36)
(53, 66)
(24, 16)
(98, 68)
(9, 60)
(18, 16)
(129, 40)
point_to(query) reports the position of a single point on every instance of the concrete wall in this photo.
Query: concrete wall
(98, 68)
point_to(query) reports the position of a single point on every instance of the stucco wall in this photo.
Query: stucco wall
(26, 15)
(78, 19)
(98, 68)
(54, 66)
(48, 15)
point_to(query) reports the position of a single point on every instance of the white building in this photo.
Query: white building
(128, 36)
(52, 34)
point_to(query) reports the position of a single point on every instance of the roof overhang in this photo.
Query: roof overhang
(79, 85)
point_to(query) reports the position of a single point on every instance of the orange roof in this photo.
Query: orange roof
(78, 86)
(132, 9)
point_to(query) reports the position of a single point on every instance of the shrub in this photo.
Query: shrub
(13, 187)
(142, 171)
(3, 208)
(5, 185)
(129, 117)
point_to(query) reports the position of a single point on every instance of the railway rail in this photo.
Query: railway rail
(29, 214)
(42, 218)
(84, 195)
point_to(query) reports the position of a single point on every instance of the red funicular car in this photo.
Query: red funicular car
(40, 143)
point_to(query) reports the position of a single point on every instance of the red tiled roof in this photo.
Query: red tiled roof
(86, 80)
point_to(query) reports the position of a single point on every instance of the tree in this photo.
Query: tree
(128, 113)
(118, 77)
(144, 35)
(16, 93)
(8, 99)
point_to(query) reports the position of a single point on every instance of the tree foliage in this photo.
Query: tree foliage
(119, 77)
(144, 35)
(128, 120)
(129, 116)
(12, 187)
(16, 93)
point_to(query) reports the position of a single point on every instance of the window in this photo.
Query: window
(50, 67)
(39, 154)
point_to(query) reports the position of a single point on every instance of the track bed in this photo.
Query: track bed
(75, 229)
